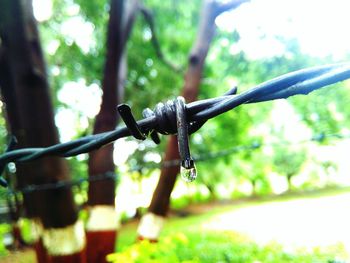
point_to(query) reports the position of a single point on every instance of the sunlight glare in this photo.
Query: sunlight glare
(299, 223)
(42, 10)
(80, 31)
(123, 149)
(72, 93)
(319, 26)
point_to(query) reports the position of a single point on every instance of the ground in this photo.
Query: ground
(295, 221)
(303, 222)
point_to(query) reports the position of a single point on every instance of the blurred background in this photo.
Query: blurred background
(273, 177)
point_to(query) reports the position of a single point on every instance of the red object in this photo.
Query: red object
(40, 252)
(79, 257)
(140, 238)
(43, 257)
(99, 245)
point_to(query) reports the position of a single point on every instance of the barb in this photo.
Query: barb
(162, 120)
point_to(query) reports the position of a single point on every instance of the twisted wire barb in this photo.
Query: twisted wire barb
(197, 113)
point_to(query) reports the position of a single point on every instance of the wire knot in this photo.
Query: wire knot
(166, 119)
(170, 118)
(165, 114)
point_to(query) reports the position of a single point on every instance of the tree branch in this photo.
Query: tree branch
(148, 16)
(130, 10)
(229, 5)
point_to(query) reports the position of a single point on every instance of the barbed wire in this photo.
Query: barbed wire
(62, 184)
(68, 183)
(165, 117)
(201, 157)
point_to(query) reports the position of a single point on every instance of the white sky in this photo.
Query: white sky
(320, 26)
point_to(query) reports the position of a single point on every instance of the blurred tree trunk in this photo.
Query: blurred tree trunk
(289, 182)
(254, 191)
(102, 224)
(211, 189)
(14, 206)
(151, 223)
(25, 92)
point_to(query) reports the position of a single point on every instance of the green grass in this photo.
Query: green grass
(184, 240)
(198, 246)
(127, 234)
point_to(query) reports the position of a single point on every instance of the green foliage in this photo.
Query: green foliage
(325, 110)
(26, 230)
(148, 76)
(149, 81)
(199, 246)
(288, 161)
(254, 166)
(3, 129)
(4, 228)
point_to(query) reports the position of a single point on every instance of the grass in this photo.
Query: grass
(198, 246)
(127, 234)
(184, 240)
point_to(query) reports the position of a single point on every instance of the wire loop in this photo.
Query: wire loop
(182, 133)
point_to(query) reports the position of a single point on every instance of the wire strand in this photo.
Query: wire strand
(201, 157)
(294, 83)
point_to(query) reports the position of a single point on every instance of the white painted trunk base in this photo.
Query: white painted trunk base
(150, 226)
(36, 230)
(65, 241)
(102, 218)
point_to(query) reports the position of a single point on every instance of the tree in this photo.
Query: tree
(101, 232)
(254, 166)
(288, 162)
(151, 223)
(25, 91)
(330, 169)
(101, 236)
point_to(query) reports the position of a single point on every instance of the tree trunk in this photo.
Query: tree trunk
(152, 222)
(26, 95)
(102, 223)
(289, 182)
(212, 193)
(254, 193)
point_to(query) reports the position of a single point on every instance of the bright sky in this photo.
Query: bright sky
(320, 26)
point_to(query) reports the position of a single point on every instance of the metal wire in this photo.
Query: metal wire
(299, 82)
(67, 183)
(201, 157)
